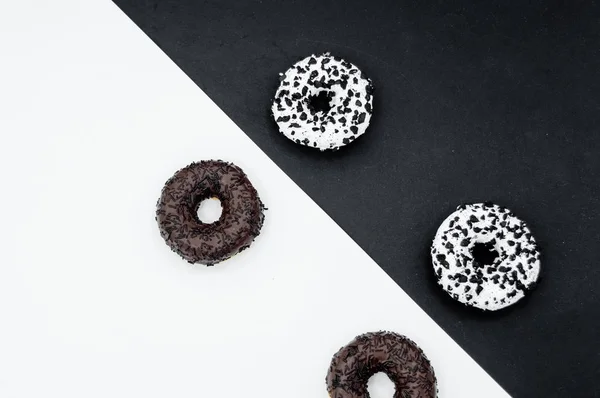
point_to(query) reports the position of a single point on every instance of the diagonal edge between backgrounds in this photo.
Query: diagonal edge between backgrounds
(313, 203)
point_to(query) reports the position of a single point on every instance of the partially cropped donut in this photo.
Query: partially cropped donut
(197, 242)
(323, 102)
(485, 257)
(395, 355)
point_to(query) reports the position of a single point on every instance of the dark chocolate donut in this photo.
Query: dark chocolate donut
(395, 355)
(241, 218)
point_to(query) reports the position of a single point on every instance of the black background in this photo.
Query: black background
(474, 101)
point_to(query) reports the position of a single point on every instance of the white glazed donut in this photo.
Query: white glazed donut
(461, 245)
(323, 102)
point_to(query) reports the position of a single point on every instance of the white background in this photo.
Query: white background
(94, 119)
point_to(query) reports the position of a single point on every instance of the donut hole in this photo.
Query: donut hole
(320, 102)
(209, 210)
(380, 386)
(484, 253)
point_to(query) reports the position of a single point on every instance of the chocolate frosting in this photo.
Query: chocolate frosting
(395, 355)
(241, 218)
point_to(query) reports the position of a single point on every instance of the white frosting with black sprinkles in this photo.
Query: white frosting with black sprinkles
(478, 232)
(342, 110)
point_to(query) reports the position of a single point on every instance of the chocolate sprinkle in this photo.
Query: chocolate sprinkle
(397, 356)
(241, 218)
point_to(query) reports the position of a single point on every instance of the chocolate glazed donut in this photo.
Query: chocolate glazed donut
(395, 355)
(241, 218)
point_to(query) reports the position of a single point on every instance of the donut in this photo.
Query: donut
(485, 257)
(323, 102)
(241, 217)
(395, 355)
